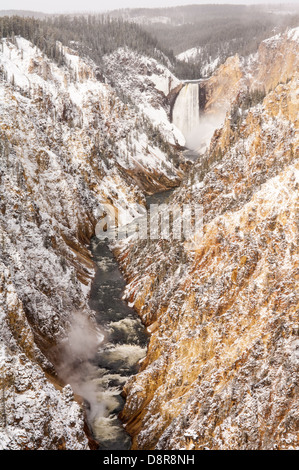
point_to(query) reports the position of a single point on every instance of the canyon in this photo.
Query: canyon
(220, 370)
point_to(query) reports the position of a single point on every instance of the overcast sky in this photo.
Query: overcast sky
(53, 6)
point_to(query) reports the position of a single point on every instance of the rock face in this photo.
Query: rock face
(276, 60)
(149, 85)
(67, 145)
(33, 413)
(273, 63)
(222, 365)
(223, 86)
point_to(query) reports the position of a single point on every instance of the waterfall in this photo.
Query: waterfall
(196, 126)
(186, 114)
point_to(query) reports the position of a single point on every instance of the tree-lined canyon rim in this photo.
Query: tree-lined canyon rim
(149, 263)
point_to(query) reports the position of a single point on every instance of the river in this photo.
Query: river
(125, 344)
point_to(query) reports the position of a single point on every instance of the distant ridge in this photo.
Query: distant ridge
(32, 14)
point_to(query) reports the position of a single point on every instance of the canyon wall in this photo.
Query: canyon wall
(222, 365)
(273, 63)
(68, 144)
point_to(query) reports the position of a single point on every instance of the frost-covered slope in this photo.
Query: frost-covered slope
(78, 98)
(149, 85)
(222, 365)
(33, 413)
(207, 64)
(67, 144)
(275, 60)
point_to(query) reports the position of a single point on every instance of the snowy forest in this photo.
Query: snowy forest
(220, 31)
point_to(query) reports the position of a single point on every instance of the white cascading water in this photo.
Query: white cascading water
(186, 114)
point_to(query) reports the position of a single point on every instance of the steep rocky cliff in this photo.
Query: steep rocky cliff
(274, 62)
(149, 85)
(222, 365)
(67, 145)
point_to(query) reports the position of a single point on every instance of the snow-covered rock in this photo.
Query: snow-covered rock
(68, 145)
(222, 363)
(148, 84)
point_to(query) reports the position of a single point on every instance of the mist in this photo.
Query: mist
(94, 6)
(77, 352)
(199, 139)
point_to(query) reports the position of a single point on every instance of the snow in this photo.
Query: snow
(189, 54)
(240, 321)
(293, 34)
(61, 167)
(195, 54)
(54, 197)
(210, 67)
(164, 82)
(53, 186)
(146, 90)
(273, 39)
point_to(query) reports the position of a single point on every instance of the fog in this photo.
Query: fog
(99, 6)
(200, 138)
